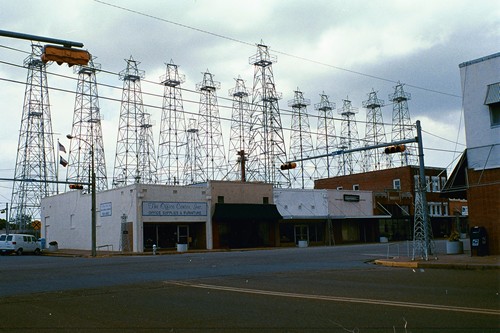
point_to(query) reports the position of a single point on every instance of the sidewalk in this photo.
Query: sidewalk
(443, 260)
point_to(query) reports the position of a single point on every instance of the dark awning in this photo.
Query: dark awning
(246, 212)
(456, 185)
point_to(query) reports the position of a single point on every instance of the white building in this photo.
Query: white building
(480, 168)
(326, 216)
(209, 216)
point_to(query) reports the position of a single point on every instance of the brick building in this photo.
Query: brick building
(393, 191)
(477, 174)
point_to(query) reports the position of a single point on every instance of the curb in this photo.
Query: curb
(438, 265)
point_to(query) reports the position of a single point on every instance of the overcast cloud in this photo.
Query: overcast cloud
(351, 47)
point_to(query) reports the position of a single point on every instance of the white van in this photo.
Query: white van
(19, 243)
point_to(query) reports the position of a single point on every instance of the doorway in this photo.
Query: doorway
(301, 233)
(183, 234)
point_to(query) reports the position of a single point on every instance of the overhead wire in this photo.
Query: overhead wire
(283, 111)
(232, 39)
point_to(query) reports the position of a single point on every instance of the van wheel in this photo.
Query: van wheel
(37, 252)
(19, 252)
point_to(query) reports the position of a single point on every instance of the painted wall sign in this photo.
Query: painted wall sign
(106, 209)
(159, 208)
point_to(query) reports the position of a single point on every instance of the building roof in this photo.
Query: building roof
(456, 185)
(471, 62)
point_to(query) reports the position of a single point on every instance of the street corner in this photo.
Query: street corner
(397, 263)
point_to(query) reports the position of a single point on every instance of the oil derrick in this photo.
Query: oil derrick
(301, 144)
(147, 158)
(35, 153)
(86, 131)
(135, 158)
(374, 159)
(266, 143)
(326, 138)
(193, 167)
(348, 139)
(172, 143)
(210, 131)
(240, 130)
(402, 127)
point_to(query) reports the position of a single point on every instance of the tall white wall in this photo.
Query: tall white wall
(475, 76)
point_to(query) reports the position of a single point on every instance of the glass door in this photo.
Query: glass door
(182, 234)
(301, 233)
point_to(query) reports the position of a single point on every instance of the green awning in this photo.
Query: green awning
(246, 212)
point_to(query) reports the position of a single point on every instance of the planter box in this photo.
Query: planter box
(182, 247)
(454, 247)
(384, 239)
(302, 243)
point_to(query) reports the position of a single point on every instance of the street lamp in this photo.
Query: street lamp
(93, 192)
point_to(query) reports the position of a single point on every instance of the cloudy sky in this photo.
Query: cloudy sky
(344, 48)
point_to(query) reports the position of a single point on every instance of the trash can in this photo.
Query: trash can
(43, 242)
(478, 241)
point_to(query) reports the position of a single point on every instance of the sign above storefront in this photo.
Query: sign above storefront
(160, 208)
(351, 197)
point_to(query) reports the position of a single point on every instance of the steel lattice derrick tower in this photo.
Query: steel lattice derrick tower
(87, 131)
(402, 127)
(349, 163)
(301, 143)
(135, 158)
(326, 138)
(374, 159)
(210, 131)
(193, 168)
(35, 153)
(172, 142)
(266, 143)
(240, 130)
(147, 157)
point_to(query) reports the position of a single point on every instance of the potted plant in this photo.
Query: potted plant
(384, 237)
(53, 246)
(454, 245)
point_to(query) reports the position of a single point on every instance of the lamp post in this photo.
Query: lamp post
(93, 192)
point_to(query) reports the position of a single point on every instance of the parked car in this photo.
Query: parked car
(19, 244)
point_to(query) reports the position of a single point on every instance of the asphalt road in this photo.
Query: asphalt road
(329, 289)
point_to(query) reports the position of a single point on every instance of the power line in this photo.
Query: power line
(232, 39)
(195, 102)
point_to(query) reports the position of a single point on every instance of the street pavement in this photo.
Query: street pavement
(399, 254)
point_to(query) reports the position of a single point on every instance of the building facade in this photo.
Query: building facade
(213, 215)
(480, 80)
(394, 196)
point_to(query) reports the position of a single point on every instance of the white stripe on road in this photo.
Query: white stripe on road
(338, 299)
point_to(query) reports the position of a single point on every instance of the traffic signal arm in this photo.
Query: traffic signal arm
(61, 54)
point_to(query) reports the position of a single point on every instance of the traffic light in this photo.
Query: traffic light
(288, 166)
(395, 149)
(76, 186)
(61, 54)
